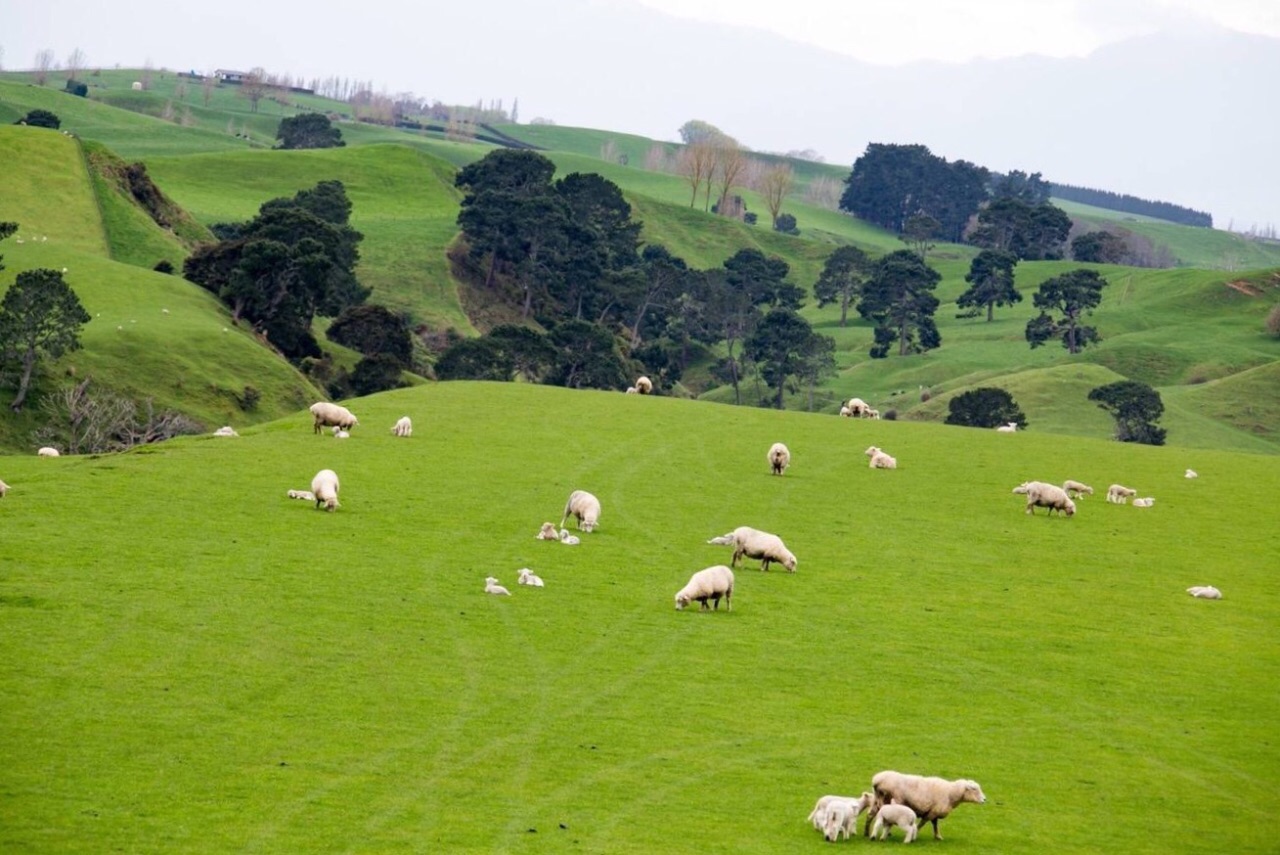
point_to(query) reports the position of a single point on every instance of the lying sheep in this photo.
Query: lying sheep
(644, 385)
(1147, 502)
(899, 815)
(491, 586)
(779, 458)
(1011, 427)
(585, 508)
(1191, 473)
(525, 576)
(632, 390)
(853, 807)
(569, 539)
(1042, 495)
(325, 488)
(709, 584)
(880, 460)
(931, 798)
(548, 532)
(1205, 592)
(339, 433)
(327, 414)
(48, 451)
(1120, 495)
(756, 544)
(403, 427)
(305, 495)
(1076, 487)
(225, 430)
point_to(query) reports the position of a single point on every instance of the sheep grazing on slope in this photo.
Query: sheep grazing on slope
(225, 430)
(403, 427)
(899, 815)
(838, 815)
(756, 544)
(304, 495)
(548, 532)
(1205, 592)
(325, 488)
(327, 415)
(1011, 427)
(709, 584)
(644, 385)
(857, 407)
(1120, 495)
(1191, 473)
(845, 412)
(1042, 495)
(931, 798)
(880, 460)
(1076, 487)
(585, 508)
(871, 413)
(48, 451)
(779, 458)
(491, 586)
(525, 576)
(1147, 502)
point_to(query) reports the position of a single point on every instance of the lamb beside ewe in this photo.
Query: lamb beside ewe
(569, 539)
(709, 584)
(837, 816)
(525, 576)
(779, 458)
(1147, 502)
(1120, 495)
(402, 427)
(325, 488)
(585, 508)
(548, 532)
(48, 451)
(756, 544)
(327, 414)
(899, 815)
(845, 412)
(931, 798)
(491, 586)
(1042, 495)
(1011, 427)
(305, 495)
(880, 460)
(1205, 592)
(1076, 487)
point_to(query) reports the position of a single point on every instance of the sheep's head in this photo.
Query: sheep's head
(1070, 507)
(1022, 488)
(682, 600)
(790, 562)
(872, 451)
(588, 525)
(331, 503)
(972, 792)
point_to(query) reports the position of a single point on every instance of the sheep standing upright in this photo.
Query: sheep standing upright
(779, 458)
(857, 407)
(838, 815)
(709, 584)
(1049, 496)
(1120, 494)
(931, 798)
(901, 816)
(325, 488)
(754, 543)
(585, 508)
(1076, 487)
(644, 385)
(48, 451)
(332, 415)
(403, 427)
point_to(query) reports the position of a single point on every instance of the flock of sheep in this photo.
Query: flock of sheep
(896, 800)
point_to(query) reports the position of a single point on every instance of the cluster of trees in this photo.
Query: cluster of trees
(890, 183)
(308, 130)
(1133, 205)
(1135, 406)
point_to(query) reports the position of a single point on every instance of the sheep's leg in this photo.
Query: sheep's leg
(936, 834)
(737, 553)
(764, 564)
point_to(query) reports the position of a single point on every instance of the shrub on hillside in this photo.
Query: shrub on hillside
(164, 265)
(373, 329)
(40, 119)
(1136, 407)
(376, 373)
(75, 87)
(987, 407)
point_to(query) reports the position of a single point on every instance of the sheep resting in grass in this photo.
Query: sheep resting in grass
(899, 815)
(525, 576)
(325, 488)
(1042, 495)
(491, 586)
(225, 430)
(305, 495)
(1191, 473)
(548, 532)
(569, 539)
(1205, 592)
(709, 584)
(880, 460)
(1011, 427)
(931, 798)
(585, 508)
(332, 415)
(838, 815)
(402, 427)
(779, 458)
(756, 544)
(1119, 494)
(48, 451)
(1076, 487)
(1147, 502)
(871, 413)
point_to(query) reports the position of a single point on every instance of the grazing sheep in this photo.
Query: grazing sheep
(325, 488)
(880, 460)
(403, 427)
(756, 544)
(1076, 487)
(871, 413)
(225, 430)
(709, 584)
(1205, 592)
(899, 815)
(1191, 473)
(644, 385)
(857, 407)
(525, 576)
(1120, 495)
(845, 412)
(305, 495)
(931, 798)
(48, 451)
(853, 808)
(4, 488)
(569, 539)
(327, 414)
(1011, 427)
(1147, 502)
(548, 532)
(585, 508)
(491, 586)
(779, 458)
(1042, 495)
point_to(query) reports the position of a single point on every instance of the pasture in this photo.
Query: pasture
(192, 661)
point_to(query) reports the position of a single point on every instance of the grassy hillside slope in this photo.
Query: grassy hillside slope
(235, 671)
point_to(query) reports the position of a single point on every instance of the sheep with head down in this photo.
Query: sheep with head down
(779, 458)
(931, 798)
(325, 488)
(709, 584)
(644, 385)
(1048, 496)
(754, 543)
(583, 507)
(332, 415)
(4, 488)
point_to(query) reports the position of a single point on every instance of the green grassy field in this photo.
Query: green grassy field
(234, 671)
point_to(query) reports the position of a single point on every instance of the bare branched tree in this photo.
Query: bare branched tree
(94, 424)
(774, 186)
(730, 162)
(207, 85)
(695, 164)
(656, 160)
(823, 192)
(44, 63)
(255, 87)
(75, 64)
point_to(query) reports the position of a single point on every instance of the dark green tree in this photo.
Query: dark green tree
(1136, 407)
(731, 315)
(778, 346)
(890, 183)
(75, 87)
(587, 357)
(1072, 295)
(597, 267)
(1031, 232)
(785, 223)
(473, 359)
(308, 130)
(373, 329)
(986, 407)
(526, 352)
(665, 277)
(40, 119)
(898, 298)
(817, 362)
(376, 373)
(763, 279)
(1032, 189)
(1101, 247)
(920, 232)
(990, 279)
(841, 279)
(40, 315)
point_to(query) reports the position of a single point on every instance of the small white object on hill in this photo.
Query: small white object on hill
(48, 451)
(1205, 592)
(1147, 502)
(491, 586)
(548, 532)
(305, 495)
(569, 539)
(1191, 473)
(403, 427)
(779, 458)
(525, 576)
(1011, 427)
(4, 488)
(225, 430)
(880, 460)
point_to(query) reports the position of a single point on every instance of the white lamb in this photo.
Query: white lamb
(548, 532)
(225, 430)
(644, 385)
(585, 508)
(525, 576)
(325, 488)
(756, 544)
(4, 488)
(845, 412)
(1205, 592)
(779, 458)
(1011, 427)
(871, 413)
(901, 816)
(339, 433)
(48, 451)
(632, 390)
(569, 539)
(1191, 473)
(1076, 487)
(305, 495)
(491, 586)
(403, 427)
(931, 798)
(709, 584)
(880, 460)
(1147, 502)
(327, 414)
(847, 810)
(1120, 495)
(1049, 496)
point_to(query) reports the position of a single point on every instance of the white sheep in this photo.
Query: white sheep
(225, 430)
(1205, 592)
(4, 488)
(856, 407)
(569, 539)
(48, 451)
(1147, 502)
(756, 544)
(709, 584)
(403, 427)
(880, 460)
(1076, 487)
(644, 385)
(325, 488)
(901, 816)
(1191, 473)
(1120, 495)
(585, 508)
(779, 458)
(853, 807)
(931, 798)
(491, 586)
(304, 495)
(525, 576)
(1049, 496)
(632, 390)
(327, 414)
(1011, 427)
(871, 413)
(845, 412)
(339, 433)
(548, 532)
